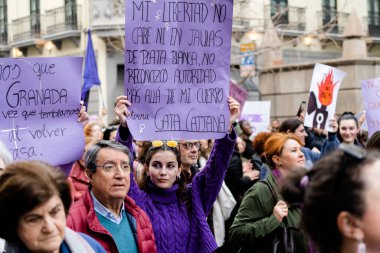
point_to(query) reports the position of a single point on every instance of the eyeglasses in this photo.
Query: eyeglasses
(170, 144)
(111, 167)
(190, 145)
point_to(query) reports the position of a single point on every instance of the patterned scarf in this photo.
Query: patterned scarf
(75, 242)
(277, 175)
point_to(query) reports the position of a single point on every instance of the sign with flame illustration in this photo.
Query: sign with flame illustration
(324, 89)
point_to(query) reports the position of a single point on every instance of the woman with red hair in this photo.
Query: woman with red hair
(262, 211)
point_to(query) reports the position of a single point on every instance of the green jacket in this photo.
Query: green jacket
(255, 221)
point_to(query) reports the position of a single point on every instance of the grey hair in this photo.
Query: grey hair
(5, 154)
(92, 153)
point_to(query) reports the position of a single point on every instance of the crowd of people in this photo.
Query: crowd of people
(289, 189)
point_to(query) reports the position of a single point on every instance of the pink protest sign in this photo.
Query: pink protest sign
(177, 65)
(239, 93)
(39, 104)
(324, 89)
(371, 100)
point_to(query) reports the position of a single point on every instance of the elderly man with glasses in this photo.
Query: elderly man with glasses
(189, 152)
(105, 212)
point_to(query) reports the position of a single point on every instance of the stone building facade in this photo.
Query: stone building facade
(308, 31)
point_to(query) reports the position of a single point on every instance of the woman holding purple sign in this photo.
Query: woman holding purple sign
(177, 211)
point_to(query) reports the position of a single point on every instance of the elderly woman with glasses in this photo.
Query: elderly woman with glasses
(177, 211)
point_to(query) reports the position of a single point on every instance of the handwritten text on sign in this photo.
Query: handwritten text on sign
(39, 105)
(177, 68)
(371, 98)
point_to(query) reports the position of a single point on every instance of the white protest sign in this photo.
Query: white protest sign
(257, 113)
(324, 89)
(371, 100)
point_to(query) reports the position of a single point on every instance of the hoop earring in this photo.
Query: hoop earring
(361, 247)
(178, 178)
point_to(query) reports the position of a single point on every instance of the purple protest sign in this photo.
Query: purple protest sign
(239, 93)
(39, 104)
(257, 113)
(371, 100)
(177, 65)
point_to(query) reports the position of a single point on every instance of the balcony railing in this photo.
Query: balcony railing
(292, 18)
(373, 22)
(66, 18)
(244, 24)
(27, 28)
(332, 21)
(240, 23)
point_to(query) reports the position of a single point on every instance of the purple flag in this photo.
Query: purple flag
(90, 74)
(177, 68)
(39, 106)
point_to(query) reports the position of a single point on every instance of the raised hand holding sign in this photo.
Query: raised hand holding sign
(177, 68)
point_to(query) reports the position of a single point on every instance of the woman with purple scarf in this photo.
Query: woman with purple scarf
(263, 212)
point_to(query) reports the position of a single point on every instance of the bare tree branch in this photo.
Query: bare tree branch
(323, 31)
